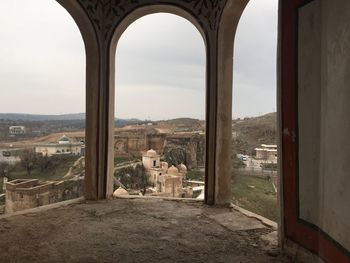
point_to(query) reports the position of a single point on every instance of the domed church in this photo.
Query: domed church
(166, 180)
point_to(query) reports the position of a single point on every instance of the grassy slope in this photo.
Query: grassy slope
(196, 175)
(261, 198)
(256, 195)
(56, 174)
(252, 193)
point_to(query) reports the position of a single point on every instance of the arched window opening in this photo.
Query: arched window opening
(42, 104)
(160, 108)
(254, 125)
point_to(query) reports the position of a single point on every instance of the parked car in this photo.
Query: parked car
(6, 153)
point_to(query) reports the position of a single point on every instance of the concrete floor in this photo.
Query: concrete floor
(137, 230)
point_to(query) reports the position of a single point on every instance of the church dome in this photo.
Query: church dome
(64, 140)
(151, 153)
(120, 191)
(164, 165)
(182, 168)
(173, 170)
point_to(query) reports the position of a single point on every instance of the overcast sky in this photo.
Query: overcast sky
(160, 63)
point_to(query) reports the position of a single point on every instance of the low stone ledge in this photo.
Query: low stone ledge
(43, 208)
(263, 220)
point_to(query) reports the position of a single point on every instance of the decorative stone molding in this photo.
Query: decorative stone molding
(107, 14)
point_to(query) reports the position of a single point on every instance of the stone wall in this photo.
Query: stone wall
(188, 149)
(136, 144)
(26, 194)
(170, 186)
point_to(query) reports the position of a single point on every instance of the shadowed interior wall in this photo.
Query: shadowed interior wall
(323, 112)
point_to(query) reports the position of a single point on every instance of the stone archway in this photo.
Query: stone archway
(135, 15)
(92, 90)
(102, 23)
(121, 145)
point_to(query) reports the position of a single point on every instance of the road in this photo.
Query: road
(128, 164)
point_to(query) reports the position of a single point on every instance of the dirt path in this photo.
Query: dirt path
(48, 138)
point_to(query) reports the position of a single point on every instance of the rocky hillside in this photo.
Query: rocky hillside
(183, 124)
(189, 150)
(248, 134)
(251, 132)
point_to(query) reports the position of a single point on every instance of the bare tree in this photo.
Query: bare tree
(141, 178)
(133, 178)
(6, 169)
(3, 169)
(28, 160)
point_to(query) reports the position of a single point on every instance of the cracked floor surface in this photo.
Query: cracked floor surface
(137, 231)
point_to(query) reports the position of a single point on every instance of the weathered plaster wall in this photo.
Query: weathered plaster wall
(324, 125)
(309, 68)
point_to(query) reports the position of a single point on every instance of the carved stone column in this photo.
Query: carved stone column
(95, 185)
(225, 45)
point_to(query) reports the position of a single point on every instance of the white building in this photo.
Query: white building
(266, 152)
(63, 146)
(17, 130)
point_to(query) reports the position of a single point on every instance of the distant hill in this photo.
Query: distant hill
(182, 121)
(22, 117)
(119, 123)
(184, 124)
(35, 117)
(249, 133)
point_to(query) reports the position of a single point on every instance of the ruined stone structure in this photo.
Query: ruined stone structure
(30, 193)
(179, 148)
(136, 142)
(170, 185)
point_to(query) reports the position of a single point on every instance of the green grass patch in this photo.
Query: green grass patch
(53, 174)
(270, 166)
(256, 195)
(196, 175)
